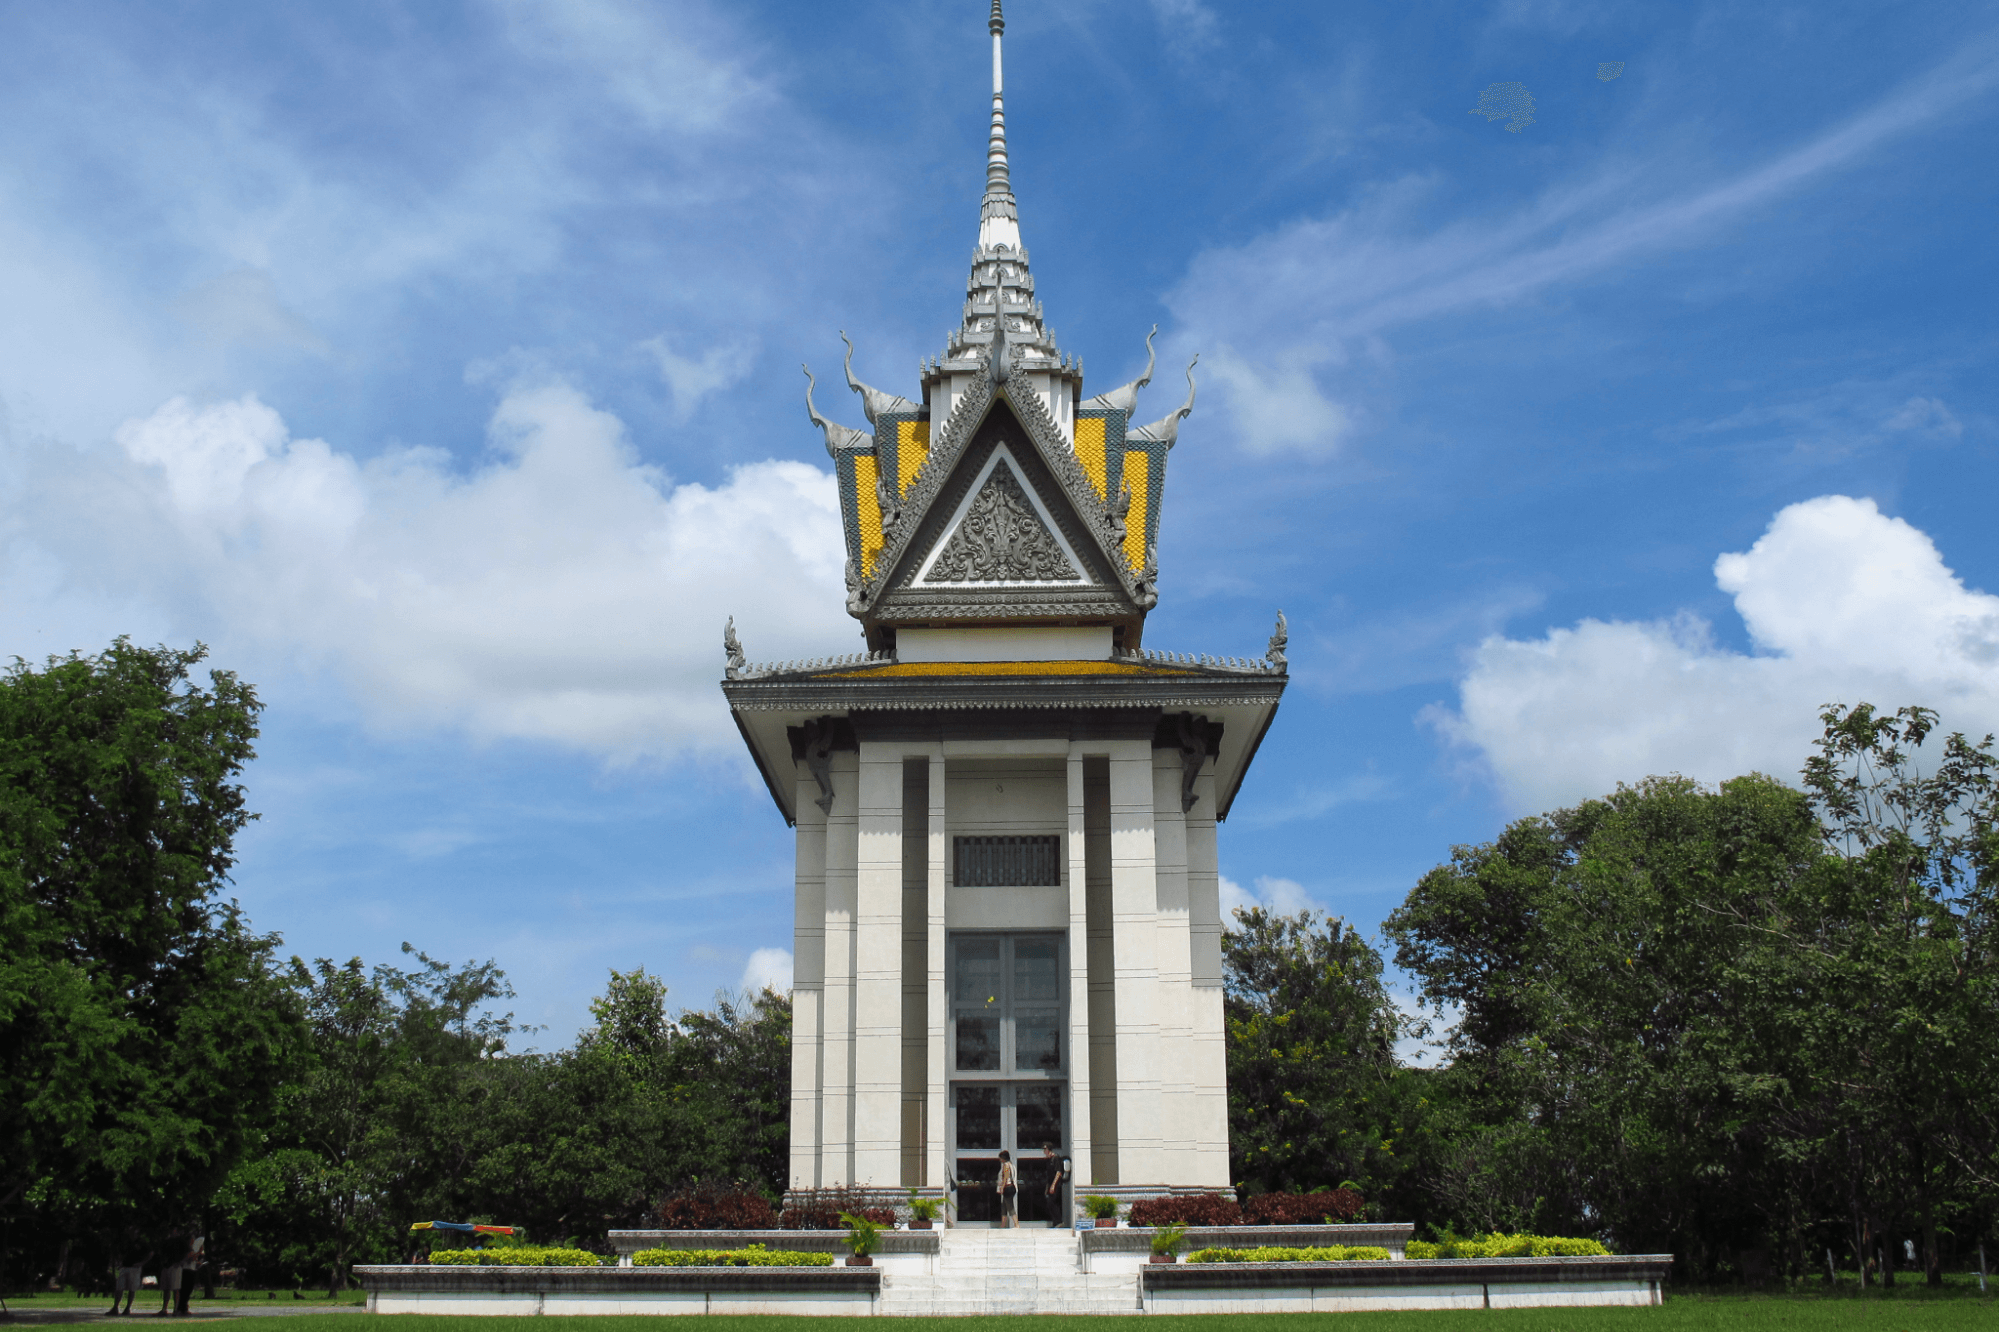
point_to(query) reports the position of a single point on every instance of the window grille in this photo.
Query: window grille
(1007, 861)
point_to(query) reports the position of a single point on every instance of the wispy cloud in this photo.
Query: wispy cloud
(1290, 298)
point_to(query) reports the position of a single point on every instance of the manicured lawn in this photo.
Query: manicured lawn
(1694, 1310)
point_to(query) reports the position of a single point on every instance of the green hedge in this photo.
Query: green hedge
(1499, 1245)
(524, 1256)
(1287, 1254)
(756, 1256)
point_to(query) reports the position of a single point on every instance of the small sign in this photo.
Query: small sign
(1086, 1224)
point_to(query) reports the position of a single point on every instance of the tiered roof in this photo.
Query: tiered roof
(1003, 496)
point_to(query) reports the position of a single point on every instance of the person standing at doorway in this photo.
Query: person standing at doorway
(1058, 1180)
(1009, 1191)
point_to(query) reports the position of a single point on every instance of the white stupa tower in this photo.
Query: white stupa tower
(1008, 927)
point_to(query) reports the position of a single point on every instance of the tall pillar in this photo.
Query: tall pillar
(1077, 876)
(1204, 917)
(877, 1133)
(836, 1102)
(915, 969)
(1174, 998)
(1135, 948)
(939, 1012)
(1101, 1066)
(808, 986)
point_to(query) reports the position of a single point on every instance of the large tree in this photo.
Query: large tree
(1715, 1019)
(1316, 1095)
(143, 1035)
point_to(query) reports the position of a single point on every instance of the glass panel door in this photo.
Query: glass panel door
(1007, 1064)
(1019, 1117)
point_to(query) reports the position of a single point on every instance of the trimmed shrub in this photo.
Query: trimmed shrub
(1288, 1254)
(1499, 1245)
(820, 1210)
(710, 1205)
(519, 1256)
(1194, 1210)
(1279, 1210)
(756, 1256)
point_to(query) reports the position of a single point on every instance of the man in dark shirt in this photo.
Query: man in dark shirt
(1058, 1180)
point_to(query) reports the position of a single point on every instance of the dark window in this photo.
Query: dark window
(1003, 861)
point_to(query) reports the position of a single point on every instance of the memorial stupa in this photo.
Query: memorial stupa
(1008, 915)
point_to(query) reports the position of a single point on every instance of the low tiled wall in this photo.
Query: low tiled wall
(467, 1291)
(1414, 1284)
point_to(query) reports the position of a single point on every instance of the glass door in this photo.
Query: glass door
(1008, 1069)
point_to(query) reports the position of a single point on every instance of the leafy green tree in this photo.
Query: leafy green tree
(143, 1033)
(1715, 1019)
(1316, 1096)
(378, 1117)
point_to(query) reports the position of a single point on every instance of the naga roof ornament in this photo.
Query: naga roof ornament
(1002, 494)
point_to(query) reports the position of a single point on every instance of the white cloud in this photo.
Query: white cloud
(1283, 897)
(693, 379)
(242, 305)
(1188, 26)
(1843, 603)
(564, 591)
(768, 967)
(1925, 415)
(1279, 407)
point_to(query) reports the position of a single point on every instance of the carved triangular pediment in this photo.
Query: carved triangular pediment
(1001, 534)
(1001, 524)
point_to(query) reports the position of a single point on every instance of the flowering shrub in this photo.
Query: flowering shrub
(820, 1210)
(1499, 1245)
(756, 1256)
(708, 1205)
(1194, 1210)
(519, 1256)
(1287, 1254)
(1277, 1210)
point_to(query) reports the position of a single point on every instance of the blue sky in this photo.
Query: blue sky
(437, 365)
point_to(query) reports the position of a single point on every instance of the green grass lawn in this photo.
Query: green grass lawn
(1957, 1306)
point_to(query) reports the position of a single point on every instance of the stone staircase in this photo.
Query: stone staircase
(1012, 1271)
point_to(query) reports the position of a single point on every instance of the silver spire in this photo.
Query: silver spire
(1000, 310)
(998, 206)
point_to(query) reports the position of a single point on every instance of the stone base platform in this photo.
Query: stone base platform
(1019, 1272)
(466, 1291)
(1414, 1284)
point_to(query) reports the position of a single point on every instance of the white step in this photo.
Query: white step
(1008, 1271)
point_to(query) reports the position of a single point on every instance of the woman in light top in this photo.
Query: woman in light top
(1009, 1192)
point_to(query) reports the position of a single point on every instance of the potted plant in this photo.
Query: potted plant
(923, 1212)
(1164, 1241)
(1102, 1208)
(863, 1237)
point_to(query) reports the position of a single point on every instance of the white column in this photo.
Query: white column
(1134, 944)
(1078, 1051)
(1210, 1051)
(939, 1009)
(836, 1153)
(878, 969)
(1174, 996)
(808, 986)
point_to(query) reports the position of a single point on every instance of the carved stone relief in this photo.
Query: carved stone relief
(1002, 538)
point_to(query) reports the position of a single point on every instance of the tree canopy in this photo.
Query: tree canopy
(143, 1032)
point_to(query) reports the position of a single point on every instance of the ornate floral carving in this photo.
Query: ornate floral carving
(1001, 539)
